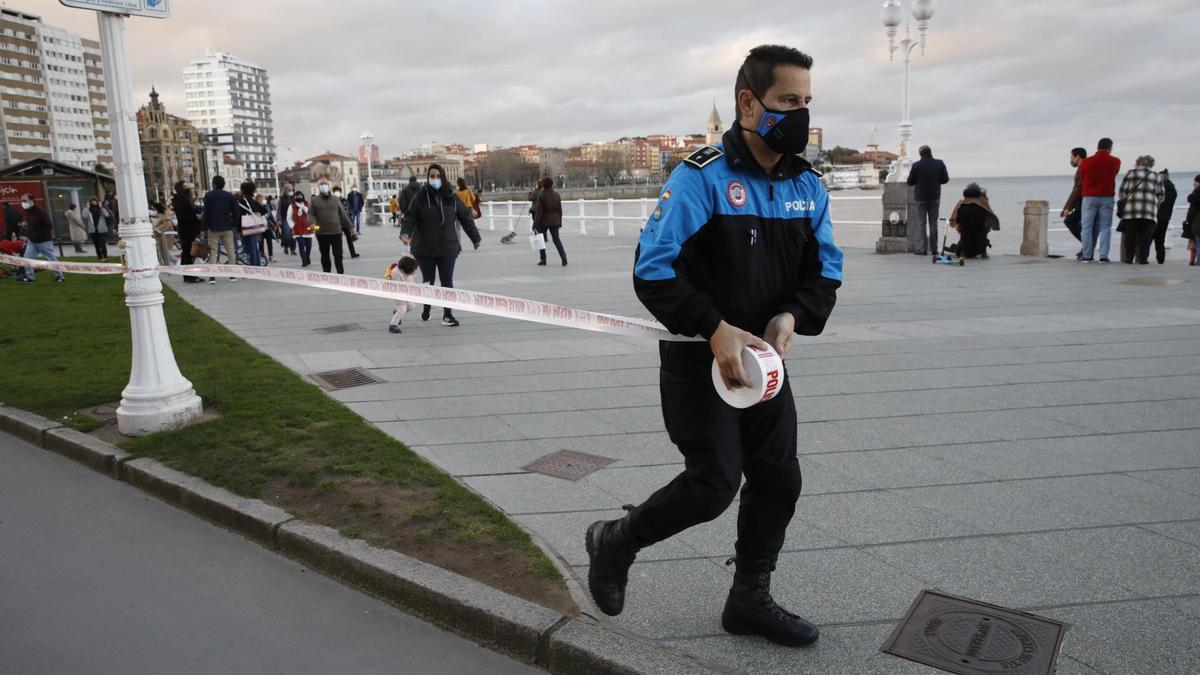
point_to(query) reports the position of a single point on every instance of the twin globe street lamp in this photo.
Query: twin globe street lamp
(892, 15)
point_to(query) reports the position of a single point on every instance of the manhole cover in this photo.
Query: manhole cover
(339, 328)
(568, 464)
(344, 379)
(968, 637)
(1152, 281)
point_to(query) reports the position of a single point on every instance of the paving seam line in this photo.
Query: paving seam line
(508, 624)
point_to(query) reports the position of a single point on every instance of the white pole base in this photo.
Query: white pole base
(148, 414)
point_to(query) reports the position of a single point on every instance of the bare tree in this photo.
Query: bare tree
(613, 165)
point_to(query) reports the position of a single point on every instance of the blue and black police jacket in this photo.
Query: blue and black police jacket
(730, 242)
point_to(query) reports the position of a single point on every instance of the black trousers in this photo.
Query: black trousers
(331, 244)
(185, 255)
(100, 242)
(720, 444)
(1160, 239)
(350, 243)
(441, 268)
(552, 232)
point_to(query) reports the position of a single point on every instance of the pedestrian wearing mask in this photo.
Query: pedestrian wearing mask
(285, 227)
(721, 259)
(216, 223)
(330, 220)
(39, 236)
(355, 203)
(301, 228)
(96, 219)
(430, 227)
(350, 234)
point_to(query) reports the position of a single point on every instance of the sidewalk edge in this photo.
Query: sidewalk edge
(471, 609)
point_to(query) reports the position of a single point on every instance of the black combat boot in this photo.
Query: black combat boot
(610, 551)
(750, 609)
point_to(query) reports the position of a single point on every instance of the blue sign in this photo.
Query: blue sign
(158, 9)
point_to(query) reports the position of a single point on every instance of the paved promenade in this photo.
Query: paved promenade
(1021, 431)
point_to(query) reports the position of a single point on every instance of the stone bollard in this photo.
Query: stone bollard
(1036, 243)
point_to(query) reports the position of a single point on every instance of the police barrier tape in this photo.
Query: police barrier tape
(452, 298)
(764, 369)
(77, 268)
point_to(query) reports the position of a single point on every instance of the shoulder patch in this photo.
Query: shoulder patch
(818, 173)
(703, 157)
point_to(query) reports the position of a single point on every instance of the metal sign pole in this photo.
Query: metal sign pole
(158, 397)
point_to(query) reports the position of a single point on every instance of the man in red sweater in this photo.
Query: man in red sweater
(1098, 177)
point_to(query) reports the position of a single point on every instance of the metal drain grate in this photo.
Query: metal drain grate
(339, 328)
(344, 379)
(964, 636)
(568, 464)
(1151, 281)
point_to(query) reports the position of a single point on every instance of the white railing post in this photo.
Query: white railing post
(612, 225)
(643, 200)
(491, 217)
(582, 219)
(512, 223)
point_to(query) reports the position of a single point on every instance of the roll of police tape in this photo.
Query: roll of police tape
(763, 367)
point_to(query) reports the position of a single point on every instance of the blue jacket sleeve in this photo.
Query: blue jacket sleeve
(683, 209)
(815, 292)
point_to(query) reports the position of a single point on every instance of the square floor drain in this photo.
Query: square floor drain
(339, 328)
(568, 464)
(964, 636)
(344, 379)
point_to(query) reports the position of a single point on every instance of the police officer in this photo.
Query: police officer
(740, 246)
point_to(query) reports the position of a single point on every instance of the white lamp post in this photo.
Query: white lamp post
(158, 397)
(366, 139)
(892, 14)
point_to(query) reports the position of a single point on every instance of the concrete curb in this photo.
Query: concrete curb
(502, 622)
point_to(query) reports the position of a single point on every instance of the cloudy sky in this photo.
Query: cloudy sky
(1006, 87)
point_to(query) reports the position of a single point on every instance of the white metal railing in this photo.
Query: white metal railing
(510, 211)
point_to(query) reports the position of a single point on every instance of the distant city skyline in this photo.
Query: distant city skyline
(1005, 88)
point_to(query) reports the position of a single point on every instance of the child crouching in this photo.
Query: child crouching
(407, 271)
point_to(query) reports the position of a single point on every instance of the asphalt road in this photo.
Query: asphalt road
(96, 577)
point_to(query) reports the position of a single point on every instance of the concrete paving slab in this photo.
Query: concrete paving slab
(1187, 532)
(878, 517)
(672, 599)
(1147, 563)
(883, 469)
(564, 532)
(1100, 637)
(536, 493)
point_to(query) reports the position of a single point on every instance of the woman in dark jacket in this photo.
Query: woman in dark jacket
(973, 218)
(188, 225)
(248, 205)
(1191, 224)
(547, 217)
(430, 226)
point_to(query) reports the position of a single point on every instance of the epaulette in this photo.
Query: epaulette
(819, 174)
(703, 157)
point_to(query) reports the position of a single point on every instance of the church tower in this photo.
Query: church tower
(714, 131)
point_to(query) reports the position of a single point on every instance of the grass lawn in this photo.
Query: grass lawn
(278, 437)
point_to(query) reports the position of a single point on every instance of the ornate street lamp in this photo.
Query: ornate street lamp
(892, 15)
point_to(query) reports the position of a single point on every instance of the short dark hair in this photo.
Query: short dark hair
(1104, 144)
(407, 264)
(249, 188)
(218, 182)
(972, 190)
(924, 151)
(462, 183)
(758, 70)
(1079, 152)
(547, 183)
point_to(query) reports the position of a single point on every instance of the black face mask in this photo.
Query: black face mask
(784, 131)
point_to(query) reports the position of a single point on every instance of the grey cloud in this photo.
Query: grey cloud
(1004, 87)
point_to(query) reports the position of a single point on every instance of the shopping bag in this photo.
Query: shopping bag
(537, 242)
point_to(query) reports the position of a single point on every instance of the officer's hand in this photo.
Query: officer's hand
(477, 243)
(780, 332)
(1063, 213)
(404, 239)
(727, 344)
